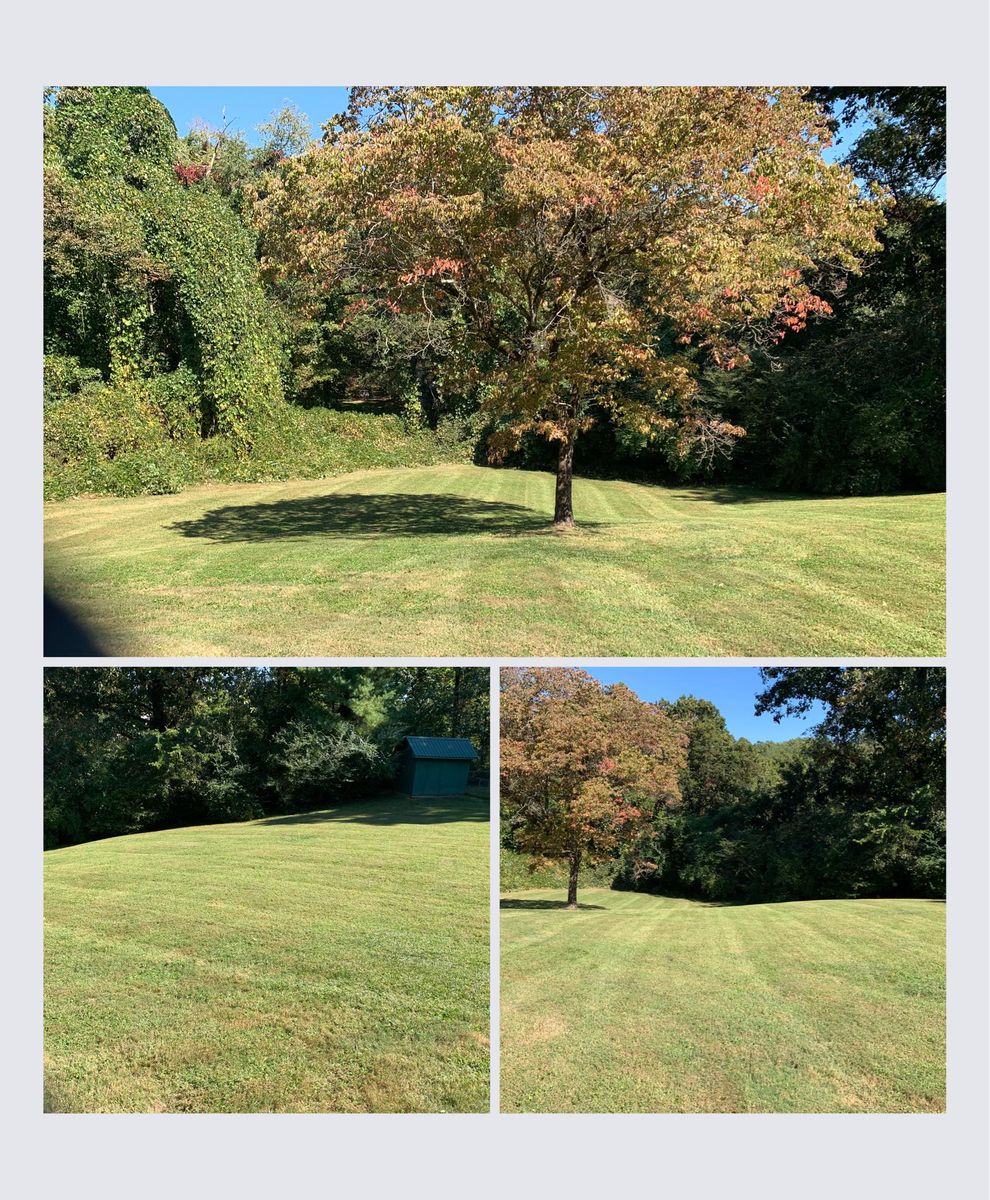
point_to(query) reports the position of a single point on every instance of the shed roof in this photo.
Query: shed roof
(436, 747)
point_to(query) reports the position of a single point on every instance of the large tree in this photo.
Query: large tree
(577, 246)
(585, 768)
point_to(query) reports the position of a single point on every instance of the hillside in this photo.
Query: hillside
(638, 1003)
(334, 961)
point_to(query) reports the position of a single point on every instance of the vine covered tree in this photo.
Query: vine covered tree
(585, 768)
(149, 273)
(577, 246)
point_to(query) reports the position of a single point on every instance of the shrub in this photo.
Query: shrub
(142, 438)
(65, 376)
(119, 441)
(327, 765)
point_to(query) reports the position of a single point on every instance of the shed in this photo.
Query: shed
(435, 766)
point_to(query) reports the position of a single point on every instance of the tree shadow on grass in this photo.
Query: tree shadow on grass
(751, 495)
(546, 904)
(385, 812)
(362, 516)
(744, 495)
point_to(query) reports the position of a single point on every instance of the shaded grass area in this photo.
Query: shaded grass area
(639, 1003)
(461, 560)
(271, 966)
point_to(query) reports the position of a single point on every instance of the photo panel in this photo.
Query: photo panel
(495, 371)
(266, 889)
(722, 889)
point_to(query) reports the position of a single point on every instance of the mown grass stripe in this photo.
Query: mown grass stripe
(644, 1004)
(462, 560)
(273, 966)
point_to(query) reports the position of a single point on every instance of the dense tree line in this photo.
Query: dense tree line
(857, 403)
(134, 748)
(857, 809)
(664, 283)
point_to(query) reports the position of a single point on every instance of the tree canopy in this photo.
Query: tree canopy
(856, 404)
(135, 748)
(585, 768)
(856, 809)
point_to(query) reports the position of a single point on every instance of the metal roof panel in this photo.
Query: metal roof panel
(437, 747)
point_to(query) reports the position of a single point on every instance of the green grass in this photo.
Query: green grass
(335, 962)
(639, 1003)
(461, 560)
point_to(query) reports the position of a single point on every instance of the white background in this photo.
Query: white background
(843, 42)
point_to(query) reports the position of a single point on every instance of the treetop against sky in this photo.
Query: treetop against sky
(245, 108)
(733, 691)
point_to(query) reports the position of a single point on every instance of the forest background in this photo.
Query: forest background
(129, 749)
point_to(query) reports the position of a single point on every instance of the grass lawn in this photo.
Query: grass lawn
(331, 962)
(460, 560)
(640, 1003)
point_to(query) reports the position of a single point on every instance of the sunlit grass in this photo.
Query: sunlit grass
(639, 1003)
(460, 560)
(337, 962)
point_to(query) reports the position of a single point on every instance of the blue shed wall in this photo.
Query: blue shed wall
(433, 776)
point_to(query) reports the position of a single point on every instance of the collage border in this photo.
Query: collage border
(756, 1154)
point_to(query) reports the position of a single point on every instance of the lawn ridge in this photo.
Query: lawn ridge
(307, 963)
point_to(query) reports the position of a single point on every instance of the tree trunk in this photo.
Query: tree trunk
(572, 881)
(563, 512)
(427, 392)
(455, 723)
(156, 699)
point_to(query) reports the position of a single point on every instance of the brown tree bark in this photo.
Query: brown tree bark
(563, 512)
(455, 722)
(572, 881)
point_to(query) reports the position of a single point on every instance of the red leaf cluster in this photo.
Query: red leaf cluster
(438, 266)
(189, 173)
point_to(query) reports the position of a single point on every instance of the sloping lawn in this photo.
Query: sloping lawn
(331, 962)
(460, 560)
(640, 1003)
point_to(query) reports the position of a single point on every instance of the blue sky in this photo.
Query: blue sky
(248, 107)
(732, 690)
